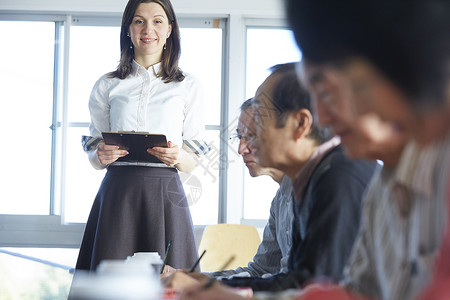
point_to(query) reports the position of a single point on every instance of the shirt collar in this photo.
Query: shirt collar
(153, 70)
(286, 186)
(417, 166)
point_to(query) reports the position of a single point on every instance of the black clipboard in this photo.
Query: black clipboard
(136, 143)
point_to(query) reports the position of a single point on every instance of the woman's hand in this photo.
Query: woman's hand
(108, 154)
(175, 156)
(169, 156)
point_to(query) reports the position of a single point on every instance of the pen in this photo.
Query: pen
(213, 279)
(196, 263)
(165, 257)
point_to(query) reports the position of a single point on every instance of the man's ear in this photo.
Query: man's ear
(303, 123)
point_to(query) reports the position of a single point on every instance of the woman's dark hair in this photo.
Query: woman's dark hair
(169, 70)
(408, 41)
(289, 96)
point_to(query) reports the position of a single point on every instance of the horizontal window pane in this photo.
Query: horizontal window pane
(27, 99)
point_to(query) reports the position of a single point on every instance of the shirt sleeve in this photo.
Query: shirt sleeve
(267, 258)
(194, 122)
(99, 109)
(323, 246)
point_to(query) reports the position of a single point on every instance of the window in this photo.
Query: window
(265, 47)
(50, 184)
(48, 103)
(27, 61)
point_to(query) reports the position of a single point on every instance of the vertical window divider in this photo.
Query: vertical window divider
(55, 117)
(64, 121)
(223, 168)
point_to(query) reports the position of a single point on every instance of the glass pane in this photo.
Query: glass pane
(258, 195)
(202, 185)
(94, 51)
(261, 55)
(82, 180)
(204, 60)
(36, 273)
(27, 99)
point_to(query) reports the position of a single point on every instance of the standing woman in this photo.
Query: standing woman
(141, 206)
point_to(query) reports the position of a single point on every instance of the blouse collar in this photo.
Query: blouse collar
(138, 69)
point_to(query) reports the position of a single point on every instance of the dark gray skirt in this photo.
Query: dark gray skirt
(139, 209)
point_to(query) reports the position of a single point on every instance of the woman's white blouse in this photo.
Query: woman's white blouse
(143, 102)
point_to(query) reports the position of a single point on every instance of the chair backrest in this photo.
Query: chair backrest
(221, 241)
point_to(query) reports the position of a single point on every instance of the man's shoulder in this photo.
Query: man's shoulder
(337, 167)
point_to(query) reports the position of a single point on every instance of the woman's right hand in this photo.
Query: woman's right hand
(108, 154)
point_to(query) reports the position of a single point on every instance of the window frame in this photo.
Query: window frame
(51, 230)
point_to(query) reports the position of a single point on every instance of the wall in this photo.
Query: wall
(249, 8)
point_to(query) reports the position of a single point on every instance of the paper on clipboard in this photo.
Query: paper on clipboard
(136, 143)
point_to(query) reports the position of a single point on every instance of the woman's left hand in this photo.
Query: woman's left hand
(169, 156)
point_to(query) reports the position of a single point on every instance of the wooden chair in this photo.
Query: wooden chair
(221, 241)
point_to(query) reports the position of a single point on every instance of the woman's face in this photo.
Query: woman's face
(148, 32)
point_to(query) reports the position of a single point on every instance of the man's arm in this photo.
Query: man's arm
(267, 258)
(331, 209)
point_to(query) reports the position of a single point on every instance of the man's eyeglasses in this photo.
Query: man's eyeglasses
(240, 137)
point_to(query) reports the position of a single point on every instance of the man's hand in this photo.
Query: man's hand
(167, 271)
(178, 281)
(217, 291)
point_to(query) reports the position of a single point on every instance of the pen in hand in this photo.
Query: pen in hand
(213, 279)
(197, 262)
(165, 257)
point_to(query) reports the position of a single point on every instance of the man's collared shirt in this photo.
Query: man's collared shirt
(404, 216)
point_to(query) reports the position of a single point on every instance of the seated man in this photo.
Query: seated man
(273, 252)
(328, 186)
(398, 69)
